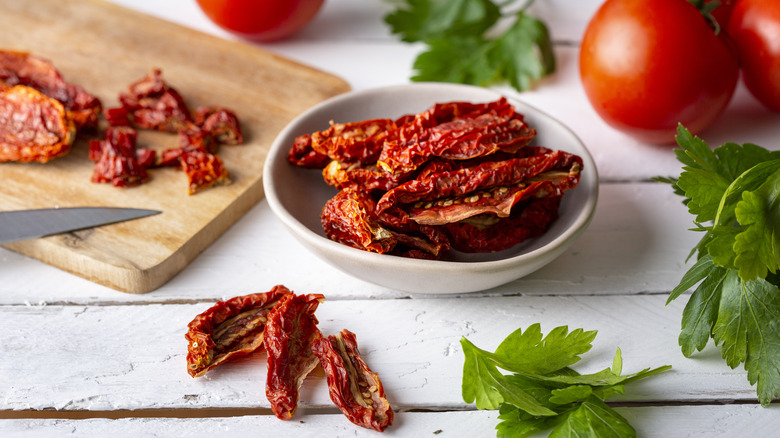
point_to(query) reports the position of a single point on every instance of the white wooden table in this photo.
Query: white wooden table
(84, 359)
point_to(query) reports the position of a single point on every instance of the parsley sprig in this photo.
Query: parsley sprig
(468, 41)
(733, 192)
(541, 391)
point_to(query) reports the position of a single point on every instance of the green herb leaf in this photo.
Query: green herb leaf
(529, 353)
(463, 45)
(748, 330)
(523, 54)
(542, 392)
(422, 20)
(701, 311)
(593, 418)
(737, 303)
(758, 246)
(483, 383)
(460, 60)
(516, 423)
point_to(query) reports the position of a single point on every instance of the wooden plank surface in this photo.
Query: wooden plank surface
(104, 48)
(414, 346)
(649, 422)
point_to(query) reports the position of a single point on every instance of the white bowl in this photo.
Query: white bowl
(297, 196)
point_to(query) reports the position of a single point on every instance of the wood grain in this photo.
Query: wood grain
(103, 48)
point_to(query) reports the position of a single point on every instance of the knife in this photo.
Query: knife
(30, 224)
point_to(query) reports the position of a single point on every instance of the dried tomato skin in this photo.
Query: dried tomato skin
(348, 218)
(21, 68)
(116, 158)
(221, 124)
(302, 155)
(365, 178)
(33, 126)
(203, 170)
(354, 142)
(201, 354)
(153, 104)
(345, 369)
(531, 221)
(289, 332)
(455, 131)
(463, 181)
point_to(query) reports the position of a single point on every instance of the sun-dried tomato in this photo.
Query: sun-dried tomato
(220, 123)
(348, 218)
(302, 155)
(116, 158)
(33, 126)
(153, 104)
(20, 68)
(455, 170)
(229, 330)
(203, 170)
(289, 332)
(456, 131)
(366, 178)
(357, 142)
(451, 184)
(353, 387)
(487, 233)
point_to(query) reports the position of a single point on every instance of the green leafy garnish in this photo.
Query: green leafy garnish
(733, 192)
(464, 45)
(540, 390)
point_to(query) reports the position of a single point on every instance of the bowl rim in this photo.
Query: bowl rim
(278, 153)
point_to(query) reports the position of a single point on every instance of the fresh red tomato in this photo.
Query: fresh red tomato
(647, 65)
(261, 20)
(723, 11)
(755, 27)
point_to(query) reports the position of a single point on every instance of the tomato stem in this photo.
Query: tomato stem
(706, 8)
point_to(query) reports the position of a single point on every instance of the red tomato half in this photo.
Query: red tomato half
(647, 65)
(755, 27)
(261, 20)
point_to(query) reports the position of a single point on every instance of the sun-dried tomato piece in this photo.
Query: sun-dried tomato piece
(353, 387)
(355, 142)
(203, 170)
(153, 104)
(366, 178)
(348, 218)
(451, 184)
(20, 68)
(33, 126)
(116, 158)
(289, 332)
(117, 116)
(220, 123)
(489, 233)
(455, 131)
(302, 155)
(229, 330)
(499, 201)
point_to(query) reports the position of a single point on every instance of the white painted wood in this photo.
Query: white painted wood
(133, 356)
(637, 243)
(649, 422)
(70, 346)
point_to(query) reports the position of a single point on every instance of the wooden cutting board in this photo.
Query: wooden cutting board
(103, 48)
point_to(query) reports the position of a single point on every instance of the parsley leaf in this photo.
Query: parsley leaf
(541, 391)
(463, 45)
(736, 189)
(423, 20)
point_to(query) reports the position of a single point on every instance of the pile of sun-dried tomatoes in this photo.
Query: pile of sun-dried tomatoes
(459, 175)
(283, 323)
(41, 114)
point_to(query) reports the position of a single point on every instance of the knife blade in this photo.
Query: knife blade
(29, 224)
